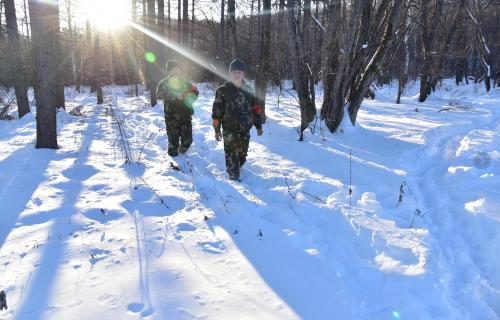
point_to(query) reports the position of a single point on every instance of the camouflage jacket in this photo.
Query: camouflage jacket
(178, 96)
(236, 109)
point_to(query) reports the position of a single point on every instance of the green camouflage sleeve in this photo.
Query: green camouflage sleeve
(218, 109)
(257, 112)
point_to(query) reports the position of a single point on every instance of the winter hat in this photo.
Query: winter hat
(237, 64)
(172, 64)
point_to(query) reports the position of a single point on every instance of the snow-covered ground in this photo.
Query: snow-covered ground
(85, 236)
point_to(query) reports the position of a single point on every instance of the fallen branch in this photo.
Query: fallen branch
(142, 148)
(288, 186)
(315, 197)
(154, 192)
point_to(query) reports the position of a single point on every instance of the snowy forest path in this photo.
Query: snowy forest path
(111, 220)
(451, 171)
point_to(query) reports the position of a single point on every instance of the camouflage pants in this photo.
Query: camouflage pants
(180, 134)
(235, 149)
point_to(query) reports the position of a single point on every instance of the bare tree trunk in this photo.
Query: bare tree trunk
(79, 60)
(151, 68)
(367, 38)
(18, 72)
(300, 69)
(252, 20)
(71, 41)
(263, 68)
(192, 24)
(403, 70)
(59, 61)
(231, 13)
(222, 40)
(26, 20)
(371, 70)
(169, 32)
(136, 71)
(88, 53)
(281, 42)
(179, 21)
(484, 50)
(1, 20)
(97, 73)
(44, 35)
(330, 56)
(185, 22)
(162, 52)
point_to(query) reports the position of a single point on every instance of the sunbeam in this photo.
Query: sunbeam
(179, 49)
(204, 63)
(108, 14)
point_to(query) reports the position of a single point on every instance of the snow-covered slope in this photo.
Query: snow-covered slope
(84, 235)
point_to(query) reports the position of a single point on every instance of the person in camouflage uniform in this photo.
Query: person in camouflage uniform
(236, 109)
(178, 97)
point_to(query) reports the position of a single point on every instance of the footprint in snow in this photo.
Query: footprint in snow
(211, 247)
(139, 307)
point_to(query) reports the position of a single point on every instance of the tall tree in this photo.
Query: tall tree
(169, 18)
(262, 78)
(179, 21)
(222, 39)
(18, 71)
(151, 48)
(44, 33)
(72, 42)
(185, 22)
(231, 14)
(300, 67)
(97, 72)
(136, 69)
(483, 49)
(1, 20)
(162, 52)
(193, 23)
(59, 59)
(367, 38)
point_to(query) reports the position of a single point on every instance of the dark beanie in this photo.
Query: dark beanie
(172, 64)
(237, 64)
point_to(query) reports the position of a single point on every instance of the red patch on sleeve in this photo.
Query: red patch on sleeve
(257, 109)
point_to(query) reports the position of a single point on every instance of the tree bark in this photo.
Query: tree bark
(179, 21)
(59, 60)
(231, 13)
(151, 74)
(222, 39)
(72, 42)
(193, 22)
(262, 78)
(44, 34)
(18, 72)
(185, 22)
(162, 51)
(300, 69)
(97, 66)
(368, 37)
(136, 68)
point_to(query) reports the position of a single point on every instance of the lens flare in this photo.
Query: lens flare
(150, 57)
(204, 63)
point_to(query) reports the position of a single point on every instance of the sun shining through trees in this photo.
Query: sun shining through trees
(107, 15)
